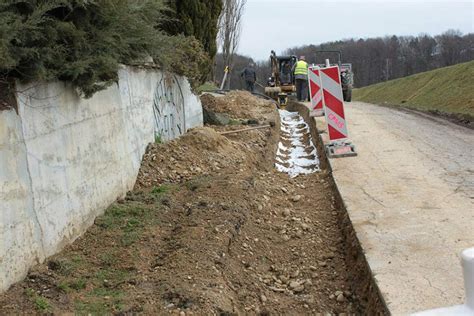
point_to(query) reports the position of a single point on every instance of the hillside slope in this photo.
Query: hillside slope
(448, 91)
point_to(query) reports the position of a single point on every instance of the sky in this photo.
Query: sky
(278, 24)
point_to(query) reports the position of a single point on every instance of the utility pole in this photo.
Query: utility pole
(224, 80)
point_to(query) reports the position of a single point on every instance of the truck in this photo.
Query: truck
(347, 75)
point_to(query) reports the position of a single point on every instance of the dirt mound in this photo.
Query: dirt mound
(239, 105)
(200, 151)
(205, 138)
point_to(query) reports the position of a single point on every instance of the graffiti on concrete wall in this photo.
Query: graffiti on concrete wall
(168, 108)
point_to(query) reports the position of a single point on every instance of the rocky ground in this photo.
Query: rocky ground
(211, 228)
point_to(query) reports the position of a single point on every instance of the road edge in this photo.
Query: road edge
(362, 279)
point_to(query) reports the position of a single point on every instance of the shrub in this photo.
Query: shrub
(84, 41)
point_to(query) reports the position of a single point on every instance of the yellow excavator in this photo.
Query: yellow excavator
(281, 83)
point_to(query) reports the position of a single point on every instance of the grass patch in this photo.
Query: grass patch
(67, 266)
(104, 292)
(127, 218)
(234, 122)
(105, 298)
(112, 217)
(91, 308)
(108, 258)
(122, 216)
(41, 303)
(446, 90)
(208, 86)
(162, 189)
(160, 193)
(198, 182)
(158, 139)
(129, 238)
(64, 286)
(76, 284)
(110, 276)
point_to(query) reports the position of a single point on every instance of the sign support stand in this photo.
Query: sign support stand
(316, 107)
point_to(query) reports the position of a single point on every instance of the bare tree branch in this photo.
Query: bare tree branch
(230, 29)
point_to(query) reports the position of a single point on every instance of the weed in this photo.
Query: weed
(192, 185)
(158, 139)
(111, 276)
(129, 238)
(66, 266)
(78, 284)
(116, 215)
(108, 258)
(196, 183)
(112, 217)
(208, 86)
(94, 307)
(104, 298)
(106, 292)
(162, 189)
(128, 218)
(64, 286)
(91, 308)
(234, 122)
(132, 224)
(30, 292)
(40, 302)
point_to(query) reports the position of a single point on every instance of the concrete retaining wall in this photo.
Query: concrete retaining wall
(64, 159)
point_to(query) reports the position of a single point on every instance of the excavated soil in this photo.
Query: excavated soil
(239, 105)
(211, 228)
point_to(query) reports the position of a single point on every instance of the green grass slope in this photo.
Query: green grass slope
(448, 91)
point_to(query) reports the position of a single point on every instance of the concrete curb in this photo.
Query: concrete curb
(363, 281)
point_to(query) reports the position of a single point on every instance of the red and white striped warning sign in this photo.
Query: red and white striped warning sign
(333, 102)
(315, 91)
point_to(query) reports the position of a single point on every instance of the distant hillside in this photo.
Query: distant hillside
(448, 91)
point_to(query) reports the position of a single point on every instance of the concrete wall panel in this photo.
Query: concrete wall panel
(64, 159)
(20, 235)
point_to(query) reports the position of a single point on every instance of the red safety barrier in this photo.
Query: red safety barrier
(315, 91)
(334, 113)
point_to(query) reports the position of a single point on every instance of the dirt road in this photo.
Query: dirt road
(410, 196)
(212, 228)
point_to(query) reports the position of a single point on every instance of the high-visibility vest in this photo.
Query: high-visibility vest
(301, 68)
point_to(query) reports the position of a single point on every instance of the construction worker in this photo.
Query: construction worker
(250, 76)
(285, 74)
(301, 78)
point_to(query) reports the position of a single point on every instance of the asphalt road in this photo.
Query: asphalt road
(410, 196)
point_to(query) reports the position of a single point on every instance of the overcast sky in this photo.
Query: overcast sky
(278, 24)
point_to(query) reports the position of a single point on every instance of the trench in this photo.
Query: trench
(296, 154)
(361, 278)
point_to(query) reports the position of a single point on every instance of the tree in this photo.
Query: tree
(230, 29)
(377, 59)
(451, 45)
(84, 42)
(198, 18)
